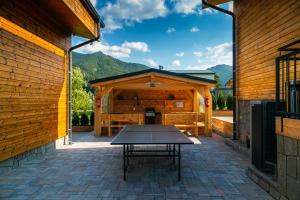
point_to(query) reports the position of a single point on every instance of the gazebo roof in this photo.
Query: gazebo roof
(165, 73)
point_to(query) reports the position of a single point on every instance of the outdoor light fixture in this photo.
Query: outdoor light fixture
(152, 84)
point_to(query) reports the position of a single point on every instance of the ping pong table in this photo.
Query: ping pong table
(132, 135)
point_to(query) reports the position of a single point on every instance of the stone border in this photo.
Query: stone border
(18, 160)
(265, 182)
(235, 145)
(82, 128)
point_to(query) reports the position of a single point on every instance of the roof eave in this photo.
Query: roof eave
(215, 2)
(103, 80)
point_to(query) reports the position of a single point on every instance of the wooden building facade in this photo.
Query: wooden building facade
(264, 74)
(171, 99)
(35, 37)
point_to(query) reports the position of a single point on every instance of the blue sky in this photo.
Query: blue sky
(176, 34)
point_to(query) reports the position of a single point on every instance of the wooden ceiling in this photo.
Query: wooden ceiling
(217, 2)
(74, 17)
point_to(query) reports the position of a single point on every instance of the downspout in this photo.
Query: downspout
(100, 24)
(205, 3)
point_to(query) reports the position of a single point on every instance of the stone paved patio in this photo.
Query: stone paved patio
(92, 169)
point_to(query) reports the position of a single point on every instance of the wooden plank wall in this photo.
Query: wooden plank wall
(152, 98)
(291, 127)
(33, 84)
(262, 27)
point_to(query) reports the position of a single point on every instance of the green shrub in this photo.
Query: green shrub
(75, 119)
(221, 101)
(229, 102)
(92, 119)
(84, 119)
(214, 101)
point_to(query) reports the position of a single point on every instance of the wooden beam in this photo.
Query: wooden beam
(98, 111)
(28, 36)
(208, 112)
(147, 77)
(196, 101)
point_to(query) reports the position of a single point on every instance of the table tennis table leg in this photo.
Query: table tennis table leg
(124, 163)
(127, 153)
(173, 153)
(179, 158)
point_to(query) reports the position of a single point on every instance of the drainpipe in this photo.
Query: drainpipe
(205, 3)
(100, 24)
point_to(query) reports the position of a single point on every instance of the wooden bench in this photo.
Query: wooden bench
(120, 120)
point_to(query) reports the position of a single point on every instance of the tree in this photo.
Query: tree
(229, 102)
(217, 79)
(221, 101)
(81, 99)
(214, 101)
(229, 83)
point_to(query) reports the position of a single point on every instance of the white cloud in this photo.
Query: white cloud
(94, 2)
(176, 63)
(180, 54)
(186, 6)
(171, 30)
(131, 11)
(230, 6)
(220, 54)
(121, 51)
(196, 67)
(195, 29)
(198, 53)
(151, 62)
(112, 24)
(137, 46)
(215, 55)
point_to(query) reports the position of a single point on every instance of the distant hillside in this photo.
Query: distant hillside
(99, 65)
(223, 71)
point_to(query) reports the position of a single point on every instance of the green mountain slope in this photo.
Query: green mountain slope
(99, 65)
(223, 71)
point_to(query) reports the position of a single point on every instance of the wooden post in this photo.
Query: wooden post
(208, 112)
(109, 125)
(98, 111)
(197, 129)
(196, 109)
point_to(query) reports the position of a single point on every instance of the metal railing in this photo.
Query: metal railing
(288, 81)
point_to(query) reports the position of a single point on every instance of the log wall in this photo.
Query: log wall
(154, 98)
(33, 81)
(262, 27)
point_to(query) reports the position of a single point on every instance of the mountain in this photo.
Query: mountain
(223, 71)
(99, 65)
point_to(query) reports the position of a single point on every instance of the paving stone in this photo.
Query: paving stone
(92, 169)
(283, 198)
(281, 160)
(274, 193)
(280, 144)
(293, 191)
(292, 166)
(290, 146)
(264, 185)
(298, 148)
(298, 168)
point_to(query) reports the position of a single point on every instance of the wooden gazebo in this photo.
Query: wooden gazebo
(175, 99)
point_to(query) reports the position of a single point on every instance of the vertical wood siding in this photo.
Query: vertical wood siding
(33, 81)
(262, 27)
